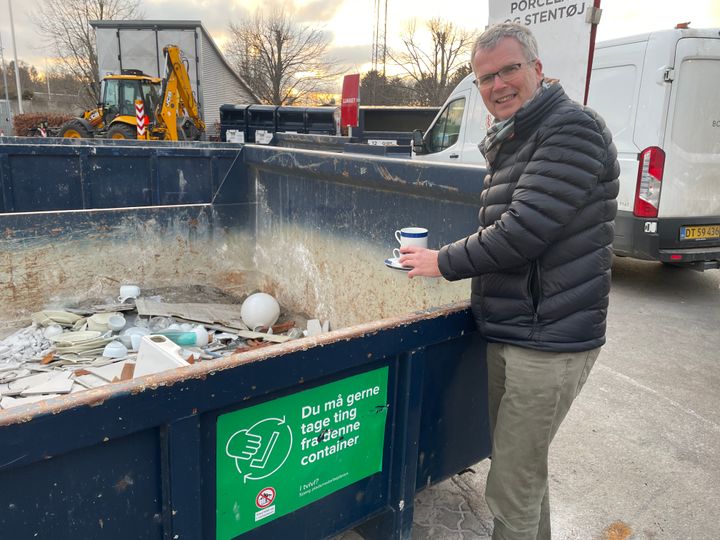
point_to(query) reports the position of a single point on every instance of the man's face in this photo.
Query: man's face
(504, 98)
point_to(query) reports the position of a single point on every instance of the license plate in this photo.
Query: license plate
(699, 232)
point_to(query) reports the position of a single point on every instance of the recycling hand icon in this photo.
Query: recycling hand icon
(244, 445)
(260, 449)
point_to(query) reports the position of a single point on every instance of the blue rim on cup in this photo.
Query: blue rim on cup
(410, 232)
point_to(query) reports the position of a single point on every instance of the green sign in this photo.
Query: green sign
(281, 455)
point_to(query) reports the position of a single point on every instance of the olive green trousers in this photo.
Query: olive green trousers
(530, 392)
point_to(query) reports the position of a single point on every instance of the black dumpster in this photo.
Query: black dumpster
(261, 118)
(321, 120)
(233, 118)
(290, 119)
(344, 428)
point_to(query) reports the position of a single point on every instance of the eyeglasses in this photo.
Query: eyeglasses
(506, 74)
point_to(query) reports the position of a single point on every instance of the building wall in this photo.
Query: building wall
(221, 87)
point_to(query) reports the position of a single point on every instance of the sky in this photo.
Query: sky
(351, 22)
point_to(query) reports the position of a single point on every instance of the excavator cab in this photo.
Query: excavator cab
(118, 105)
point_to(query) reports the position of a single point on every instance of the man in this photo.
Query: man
(539, 263)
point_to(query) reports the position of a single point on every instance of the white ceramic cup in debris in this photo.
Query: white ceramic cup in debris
(410, 236)
(132, 336)
(128, 291)
(115, 349)
(116, 322)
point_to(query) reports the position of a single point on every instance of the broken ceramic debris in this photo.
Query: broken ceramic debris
(133, 334)
(110, 372)
(158, 324)
(46, 318)
(52, 330)
(157, 353)
(76, 349)
(58, 383)
(76, 337)
(98, 322)
(314, 328)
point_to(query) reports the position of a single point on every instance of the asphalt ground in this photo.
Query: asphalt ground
(638, 456)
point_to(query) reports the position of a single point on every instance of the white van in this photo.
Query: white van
(658, 93)
(454, 134)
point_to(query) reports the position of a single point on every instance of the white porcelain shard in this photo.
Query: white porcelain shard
(32, 380)
(157, 353)
(110, 372)
(314, 328)
(90, 381)
(48, 317)
(60, 383)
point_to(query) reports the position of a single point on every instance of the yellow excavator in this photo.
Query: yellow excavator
(170, 107)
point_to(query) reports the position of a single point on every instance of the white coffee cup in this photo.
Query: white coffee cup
(128, 291)
(410, 236)
(116, 322)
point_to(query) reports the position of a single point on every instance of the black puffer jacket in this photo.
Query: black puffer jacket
(540, 261)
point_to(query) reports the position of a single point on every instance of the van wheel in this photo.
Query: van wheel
(122, 131)
(75, 129)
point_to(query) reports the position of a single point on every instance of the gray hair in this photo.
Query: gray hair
(490, 38)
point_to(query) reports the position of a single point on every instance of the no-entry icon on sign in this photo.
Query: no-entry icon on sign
(265, 497)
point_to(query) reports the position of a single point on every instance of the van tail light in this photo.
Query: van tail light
(649, 182)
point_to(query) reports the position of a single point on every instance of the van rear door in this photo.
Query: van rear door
(689, 212)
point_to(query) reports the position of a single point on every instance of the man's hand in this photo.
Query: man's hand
(424, 262)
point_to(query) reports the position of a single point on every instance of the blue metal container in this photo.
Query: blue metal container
(151, 457)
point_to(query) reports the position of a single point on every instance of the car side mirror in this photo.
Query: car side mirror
(418, 142)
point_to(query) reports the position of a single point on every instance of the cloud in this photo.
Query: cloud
(317, 11)
(215, 15)
(351, 56)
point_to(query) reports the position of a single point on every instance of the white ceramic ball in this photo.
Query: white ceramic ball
(259, 309)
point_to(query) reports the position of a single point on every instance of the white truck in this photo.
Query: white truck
(658, 93)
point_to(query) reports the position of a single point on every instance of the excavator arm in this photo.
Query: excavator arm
(178, 98)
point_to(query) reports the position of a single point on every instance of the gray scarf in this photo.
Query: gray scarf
(501, 131)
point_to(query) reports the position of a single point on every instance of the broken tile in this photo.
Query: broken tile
(156, 354)
(60, 383)
(29, 381)
(110, 371)
(47, 317)
(90, 381)
(314, 328)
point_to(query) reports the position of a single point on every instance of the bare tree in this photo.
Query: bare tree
(283, 62)
(378, 89)
(432, 67)
(64, 26)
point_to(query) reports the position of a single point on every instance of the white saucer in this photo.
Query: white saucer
(393, 263)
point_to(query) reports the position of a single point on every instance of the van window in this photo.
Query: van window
(612, 95)
(446, 130)
(696, 119)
